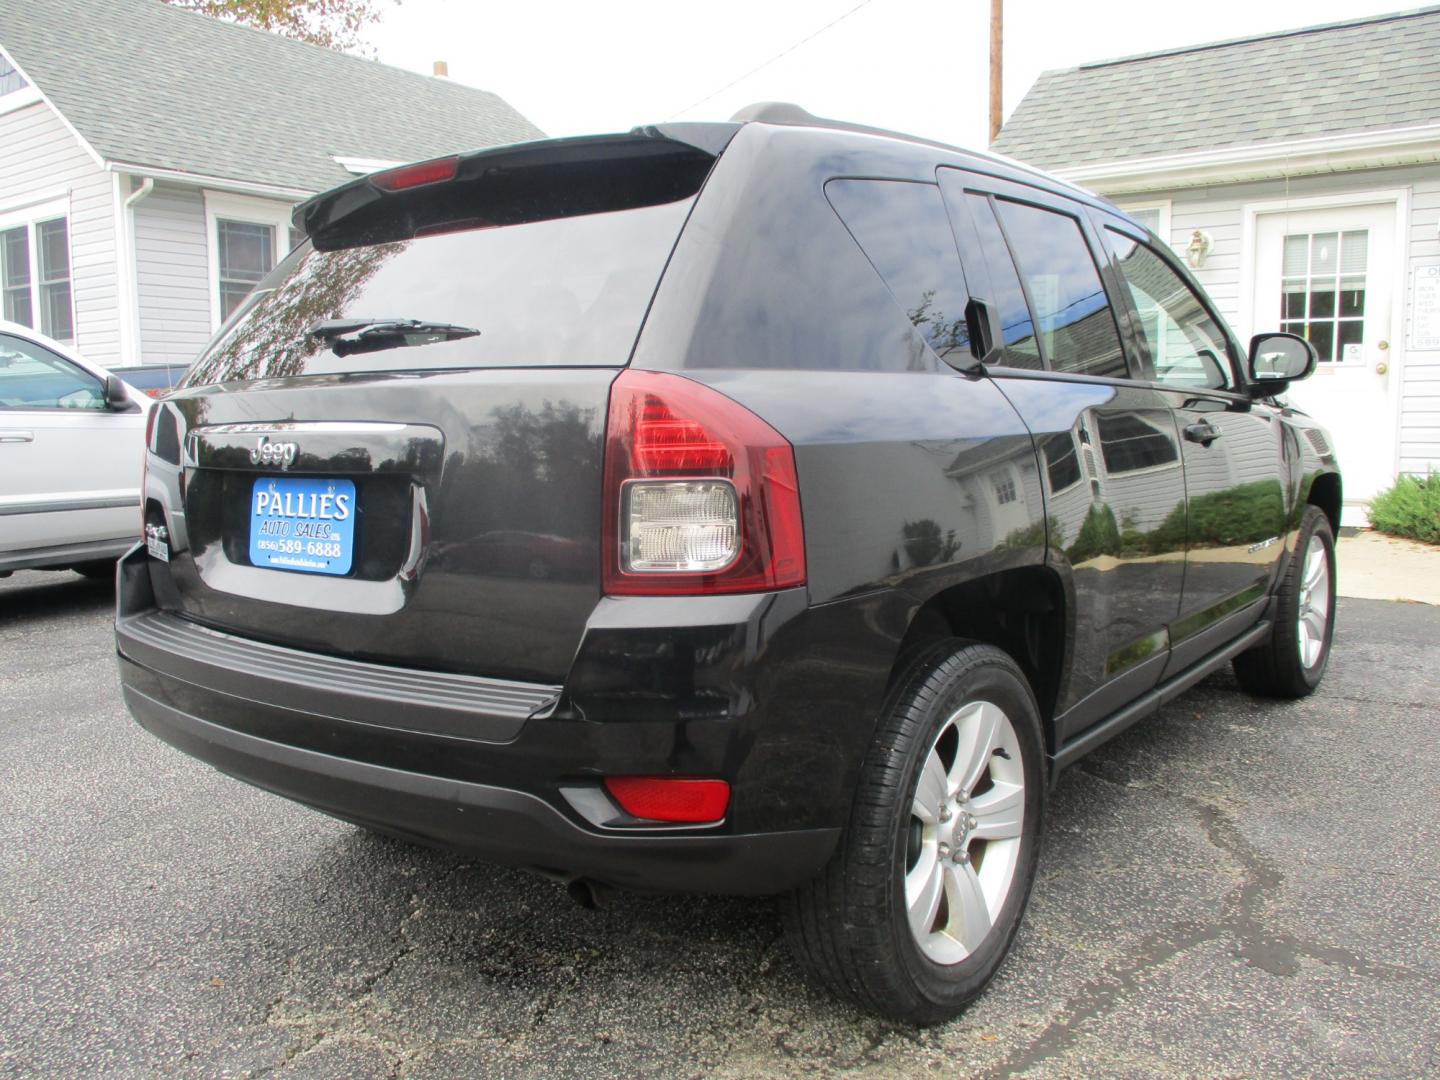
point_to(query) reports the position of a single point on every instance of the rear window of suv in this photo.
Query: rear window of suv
(565, 291)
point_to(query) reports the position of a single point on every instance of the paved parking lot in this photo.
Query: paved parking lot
(1235, 888)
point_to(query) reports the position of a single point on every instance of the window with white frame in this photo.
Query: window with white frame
(245, 253)
(1004, 485)
(1323, 291)
(35, 287)
(247, 237)
(1154, 216)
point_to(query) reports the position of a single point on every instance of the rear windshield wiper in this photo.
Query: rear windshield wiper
(371, 335)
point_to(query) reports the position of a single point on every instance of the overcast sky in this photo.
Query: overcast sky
(912, 65)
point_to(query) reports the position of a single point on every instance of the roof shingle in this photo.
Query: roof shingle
(1362, 75)
(152, 85)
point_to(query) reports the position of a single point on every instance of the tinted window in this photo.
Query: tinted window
(564, 291)
(903, 230)
(1008, 299)
(1076, 327)
(1186, 346)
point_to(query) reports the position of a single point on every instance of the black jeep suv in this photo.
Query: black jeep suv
(760, 507)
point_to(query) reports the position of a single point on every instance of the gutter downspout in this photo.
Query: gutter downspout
(130, 269)
(147, 185)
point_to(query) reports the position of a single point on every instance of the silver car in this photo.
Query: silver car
(72, 440)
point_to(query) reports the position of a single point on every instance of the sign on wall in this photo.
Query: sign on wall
(1425, 310)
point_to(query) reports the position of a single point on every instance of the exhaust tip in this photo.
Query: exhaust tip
(590, 895)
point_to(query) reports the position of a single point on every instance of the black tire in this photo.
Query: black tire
(1276, 668)
(849, 926)
(104, 570)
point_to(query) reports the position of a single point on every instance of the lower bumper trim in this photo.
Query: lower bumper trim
(497, 824)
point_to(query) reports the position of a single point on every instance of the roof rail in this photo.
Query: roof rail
(789, 114)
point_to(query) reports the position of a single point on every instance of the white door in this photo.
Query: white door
(1328, 274)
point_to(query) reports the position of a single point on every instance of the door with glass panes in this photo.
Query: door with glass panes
(1328, 274)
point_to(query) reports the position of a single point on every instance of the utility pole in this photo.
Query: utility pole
(997, 20)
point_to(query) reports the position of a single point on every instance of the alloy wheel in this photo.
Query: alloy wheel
(965, 828)
(1313, 621)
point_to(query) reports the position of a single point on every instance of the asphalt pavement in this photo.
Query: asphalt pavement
(1232, 888)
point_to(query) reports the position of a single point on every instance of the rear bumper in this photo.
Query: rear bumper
(481, 766)
(495, 823)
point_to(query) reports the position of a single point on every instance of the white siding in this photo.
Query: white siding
(39, 157)
(1420, 393)
(1218, 211)
(172, 274)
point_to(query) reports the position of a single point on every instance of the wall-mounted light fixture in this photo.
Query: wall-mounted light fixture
(1200, 244)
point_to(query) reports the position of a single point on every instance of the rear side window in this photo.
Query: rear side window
(1022, 350)
(903, 230)
(1076, 326)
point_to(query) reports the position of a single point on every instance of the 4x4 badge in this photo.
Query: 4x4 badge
(274, 453)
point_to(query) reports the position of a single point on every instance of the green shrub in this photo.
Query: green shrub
(1099, 535)
(1411, 508)
(1240, 515)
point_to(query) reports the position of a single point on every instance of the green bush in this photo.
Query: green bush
(1240, 515)
(1099, 535)
(1411, 508)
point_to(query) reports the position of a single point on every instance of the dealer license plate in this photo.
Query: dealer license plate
(300, 523)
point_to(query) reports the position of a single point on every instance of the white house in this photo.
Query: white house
(1300, 175)
(150, 158)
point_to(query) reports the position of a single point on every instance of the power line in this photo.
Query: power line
(778, 56)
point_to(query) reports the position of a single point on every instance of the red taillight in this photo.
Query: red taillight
(409, 176)
(668, 798)
(704, 486)
(667, 443)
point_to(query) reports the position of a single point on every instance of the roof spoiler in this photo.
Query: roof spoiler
(508, 185)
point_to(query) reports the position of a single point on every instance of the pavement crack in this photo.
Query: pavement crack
(1241, 921)
(405, 945)
(1276, 952)
(1101, 994)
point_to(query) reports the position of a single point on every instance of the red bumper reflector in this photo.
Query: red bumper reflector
(668, 798)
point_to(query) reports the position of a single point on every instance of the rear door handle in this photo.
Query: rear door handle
(17, 436)
(1204, 433)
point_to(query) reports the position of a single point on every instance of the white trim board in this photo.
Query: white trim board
(127, 272)
(18, 99)
(211, 183)
(363, 166)
(1261, 161)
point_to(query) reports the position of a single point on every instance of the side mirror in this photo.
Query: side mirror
(1276, 360)
(116, 399)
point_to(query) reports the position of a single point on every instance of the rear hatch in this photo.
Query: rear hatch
(393, 450)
